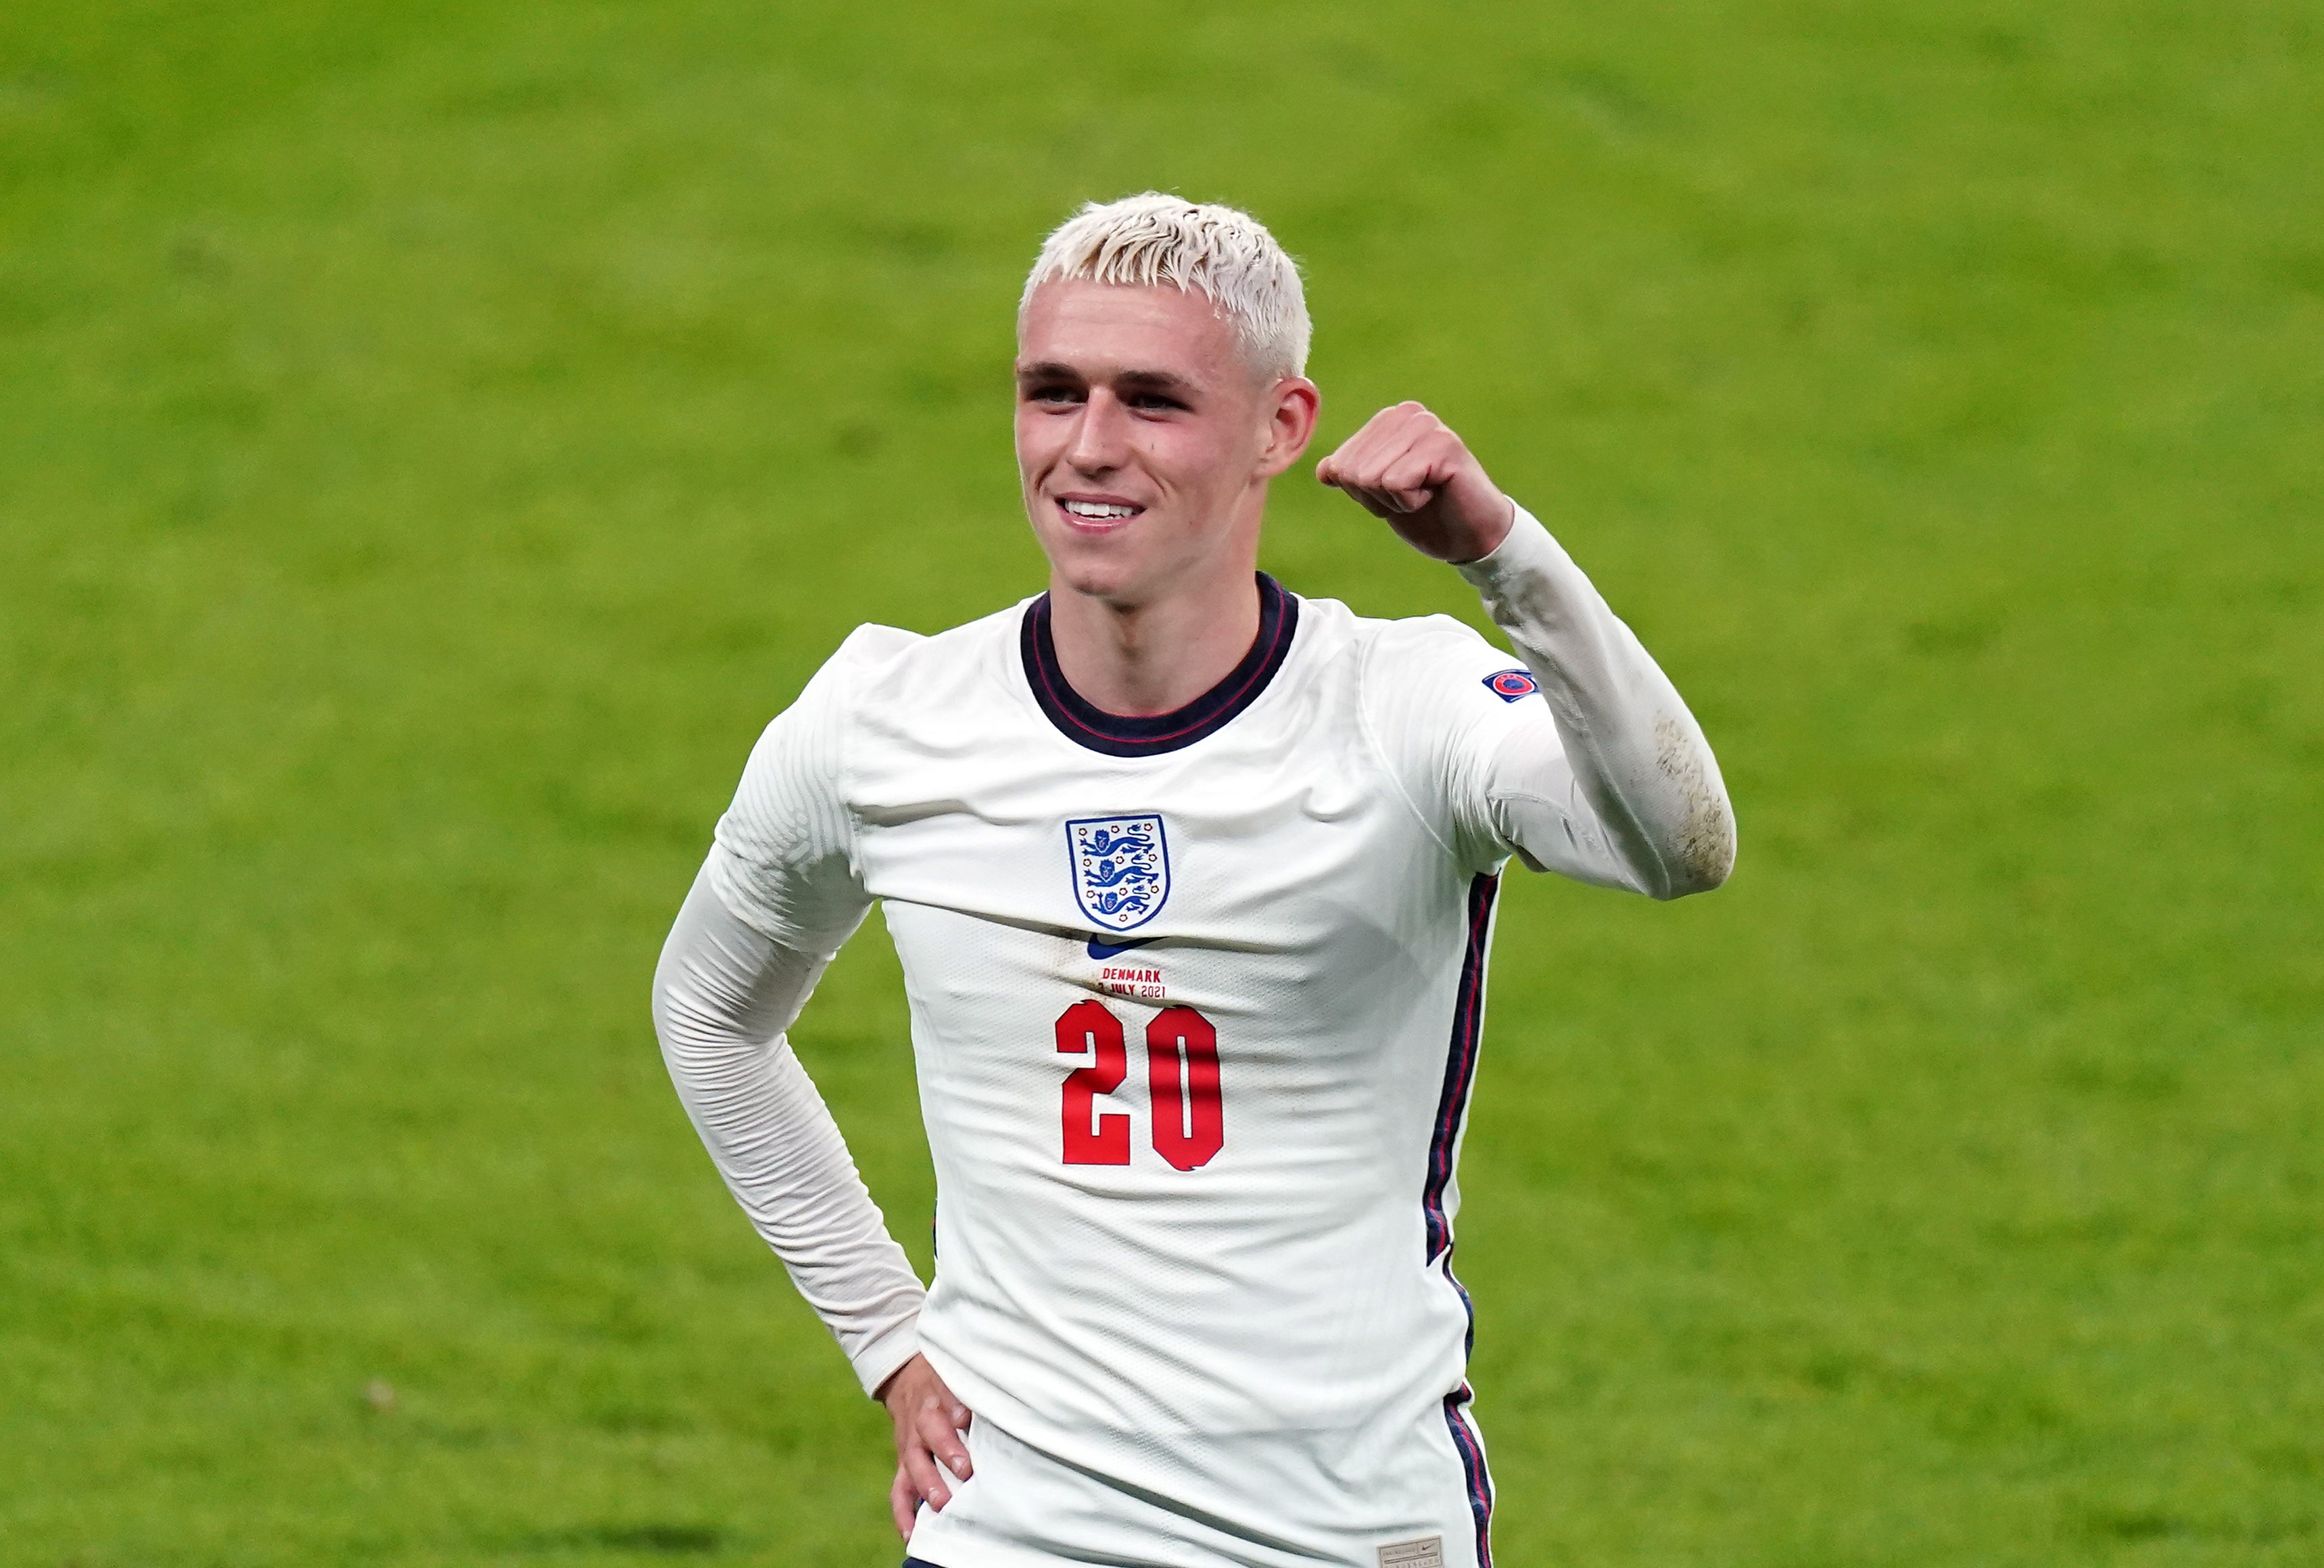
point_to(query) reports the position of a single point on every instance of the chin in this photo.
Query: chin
(1101, 568)
(1098, 579)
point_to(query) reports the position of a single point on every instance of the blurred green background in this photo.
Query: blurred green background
(435, 437)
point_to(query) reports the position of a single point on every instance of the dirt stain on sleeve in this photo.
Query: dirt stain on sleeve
(1704, 843)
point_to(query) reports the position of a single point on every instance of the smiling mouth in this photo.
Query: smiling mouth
(1098, 511)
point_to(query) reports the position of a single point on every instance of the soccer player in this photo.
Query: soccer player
(1193, 882)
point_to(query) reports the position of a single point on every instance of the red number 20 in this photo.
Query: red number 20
(1182, 1077)
(1087, 1025)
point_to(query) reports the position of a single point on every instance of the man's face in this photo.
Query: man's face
(1143, 439)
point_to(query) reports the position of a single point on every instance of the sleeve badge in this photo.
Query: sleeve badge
(1509, 685)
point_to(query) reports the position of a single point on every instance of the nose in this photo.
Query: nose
(1101, 434)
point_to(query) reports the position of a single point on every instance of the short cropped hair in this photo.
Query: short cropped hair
(1151, 240)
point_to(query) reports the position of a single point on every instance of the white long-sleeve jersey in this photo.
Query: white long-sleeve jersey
(1195, 1004)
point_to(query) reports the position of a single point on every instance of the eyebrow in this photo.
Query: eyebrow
(1155, 380)
(1145, 379)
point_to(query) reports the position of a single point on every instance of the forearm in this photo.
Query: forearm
(723, 994)
(1637, 757)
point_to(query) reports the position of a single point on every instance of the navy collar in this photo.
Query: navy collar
(1079, 721)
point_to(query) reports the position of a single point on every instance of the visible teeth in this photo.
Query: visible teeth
(1097, 509)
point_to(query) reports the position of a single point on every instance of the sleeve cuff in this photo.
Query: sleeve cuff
(1528, 548)
(885, 1356)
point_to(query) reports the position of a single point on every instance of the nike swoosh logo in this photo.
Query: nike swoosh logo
(1098, 949)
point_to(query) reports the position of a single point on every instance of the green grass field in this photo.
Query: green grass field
(435, 437)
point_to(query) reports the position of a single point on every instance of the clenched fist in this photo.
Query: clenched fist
(1408, 467)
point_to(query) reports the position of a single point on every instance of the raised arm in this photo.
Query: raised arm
(1625, 776)
(1621, 788)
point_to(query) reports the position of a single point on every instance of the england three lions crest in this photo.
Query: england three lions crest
(1121, 868)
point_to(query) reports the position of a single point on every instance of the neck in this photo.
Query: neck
(1136, 660)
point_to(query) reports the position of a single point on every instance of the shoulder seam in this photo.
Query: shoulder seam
(1379, 752)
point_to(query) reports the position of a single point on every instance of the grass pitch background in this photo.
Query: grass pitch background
(434, 438)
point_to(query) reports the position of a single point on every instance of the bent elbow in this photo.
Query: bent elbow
(1701, 854)
(664, 980)
(1686, 888)
(674, 1004)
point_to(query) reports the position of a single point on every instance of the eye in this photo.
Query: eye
(1155, 402)
(1055, 395)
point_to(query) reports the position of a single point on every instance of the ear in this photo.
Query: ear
(1291, 408)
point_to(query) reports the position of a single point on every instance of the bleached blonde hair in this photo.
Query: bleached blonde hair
(1151, 240)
